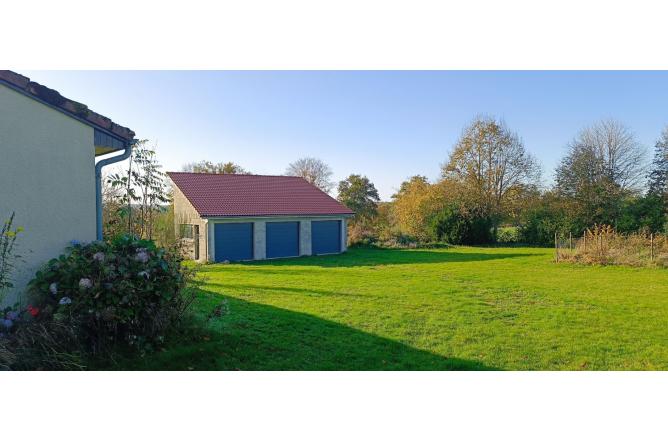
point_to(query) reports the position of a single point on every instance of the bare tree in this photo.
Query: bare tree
(314, 171)
(608, 150)
(604, 164)
(205, 166)
(491, 163)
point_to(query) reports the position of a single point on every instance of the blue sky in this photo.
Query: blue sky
(384, 124)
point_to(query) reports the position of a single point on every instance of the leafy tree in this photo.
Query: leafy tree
(453, 225)
(359, 194)
(658, 176)
(205, 166)
(490, 162)
(314, 170)
(414, 205)
(545, 215)
(603, 166)
(144, 191)
(645, 213)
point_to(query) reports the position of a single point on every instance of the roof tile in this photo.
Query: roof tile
(54, 98)
(232, 195)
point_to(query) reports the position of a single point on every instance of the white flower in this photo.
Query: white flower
(99, 257)
(85, 283)
(65, 300)
(144, 274)
(53, 288)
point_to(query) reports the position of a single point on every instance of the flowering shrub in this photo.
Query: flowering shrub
(127, 292)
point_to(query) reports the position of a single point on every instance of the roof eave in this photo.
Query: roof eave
(73, 109)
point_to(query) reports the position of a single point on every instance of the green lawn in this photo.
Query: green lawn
(429, 309)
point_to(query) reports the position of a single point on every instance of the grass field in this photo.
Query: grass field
(430, 309)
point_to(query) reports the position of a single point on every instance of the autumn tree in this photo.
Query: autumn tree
(414, 205)
(205, 166)
(490, 163)
(315, 171)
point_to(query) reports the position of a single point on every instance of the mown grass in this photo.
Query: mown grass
(457, 308)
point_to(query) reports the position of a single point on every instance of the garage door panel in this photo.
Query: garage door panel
(282, 239)
(234, 241)
(326, 236)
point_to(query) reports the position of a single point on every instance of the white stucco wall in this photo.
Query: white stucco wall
(47, 176)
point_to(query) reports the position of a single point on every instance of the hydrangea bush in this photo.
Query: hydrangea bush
(126, 292)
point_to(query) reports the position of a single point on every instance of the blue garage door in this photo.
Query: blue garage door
(326, 237)
(282, 239)
(234, 241)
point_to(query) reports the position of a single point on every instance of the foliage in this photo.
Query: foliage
(414, 205)
(8, 256)
(658, 183)
(644, 213)
(425, 309)
(453, 225)
(102, 297)
(490, 162)
(143, 192)
(205, 166)
(545, 216)
(603, 166)
(508, 235)
(315, 171)
(360, 195)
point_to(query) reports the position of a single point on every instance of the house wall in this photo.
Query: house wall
(260, 237)
(185, 214)
(47, 177)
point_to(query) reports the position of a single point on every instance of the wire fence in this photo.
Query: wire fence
(602, 245)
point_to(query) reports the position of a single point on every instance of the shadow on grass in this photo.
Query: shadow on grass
(378, 257)
(261, 337)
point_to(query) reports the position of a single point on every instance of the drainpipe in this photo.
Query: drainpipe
(98, 183)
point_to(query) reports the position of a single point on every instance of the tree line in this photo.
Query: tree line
(488, 181)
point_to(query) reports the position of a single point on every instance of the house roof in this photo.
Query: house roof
(55, 99)
(236, 195)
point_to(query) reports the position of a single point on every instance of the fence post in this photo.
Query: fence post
(570, 241)
(584, 240)
(651, 247)
(556, 249)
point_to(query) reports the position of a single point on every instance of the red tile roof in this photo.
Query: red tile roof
(55, 99)
(231, 195)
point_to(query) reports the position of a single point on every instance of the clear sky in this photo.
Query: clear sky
(383, 124)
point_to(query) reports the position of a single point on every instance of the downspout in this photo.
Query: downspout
(98, 183)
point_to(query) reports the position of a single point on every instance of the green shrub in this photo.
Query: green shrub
(101, 297)
(508, 235)
(453, 226)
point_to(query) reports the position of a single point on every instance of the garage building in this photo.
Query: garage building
(237, 217)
